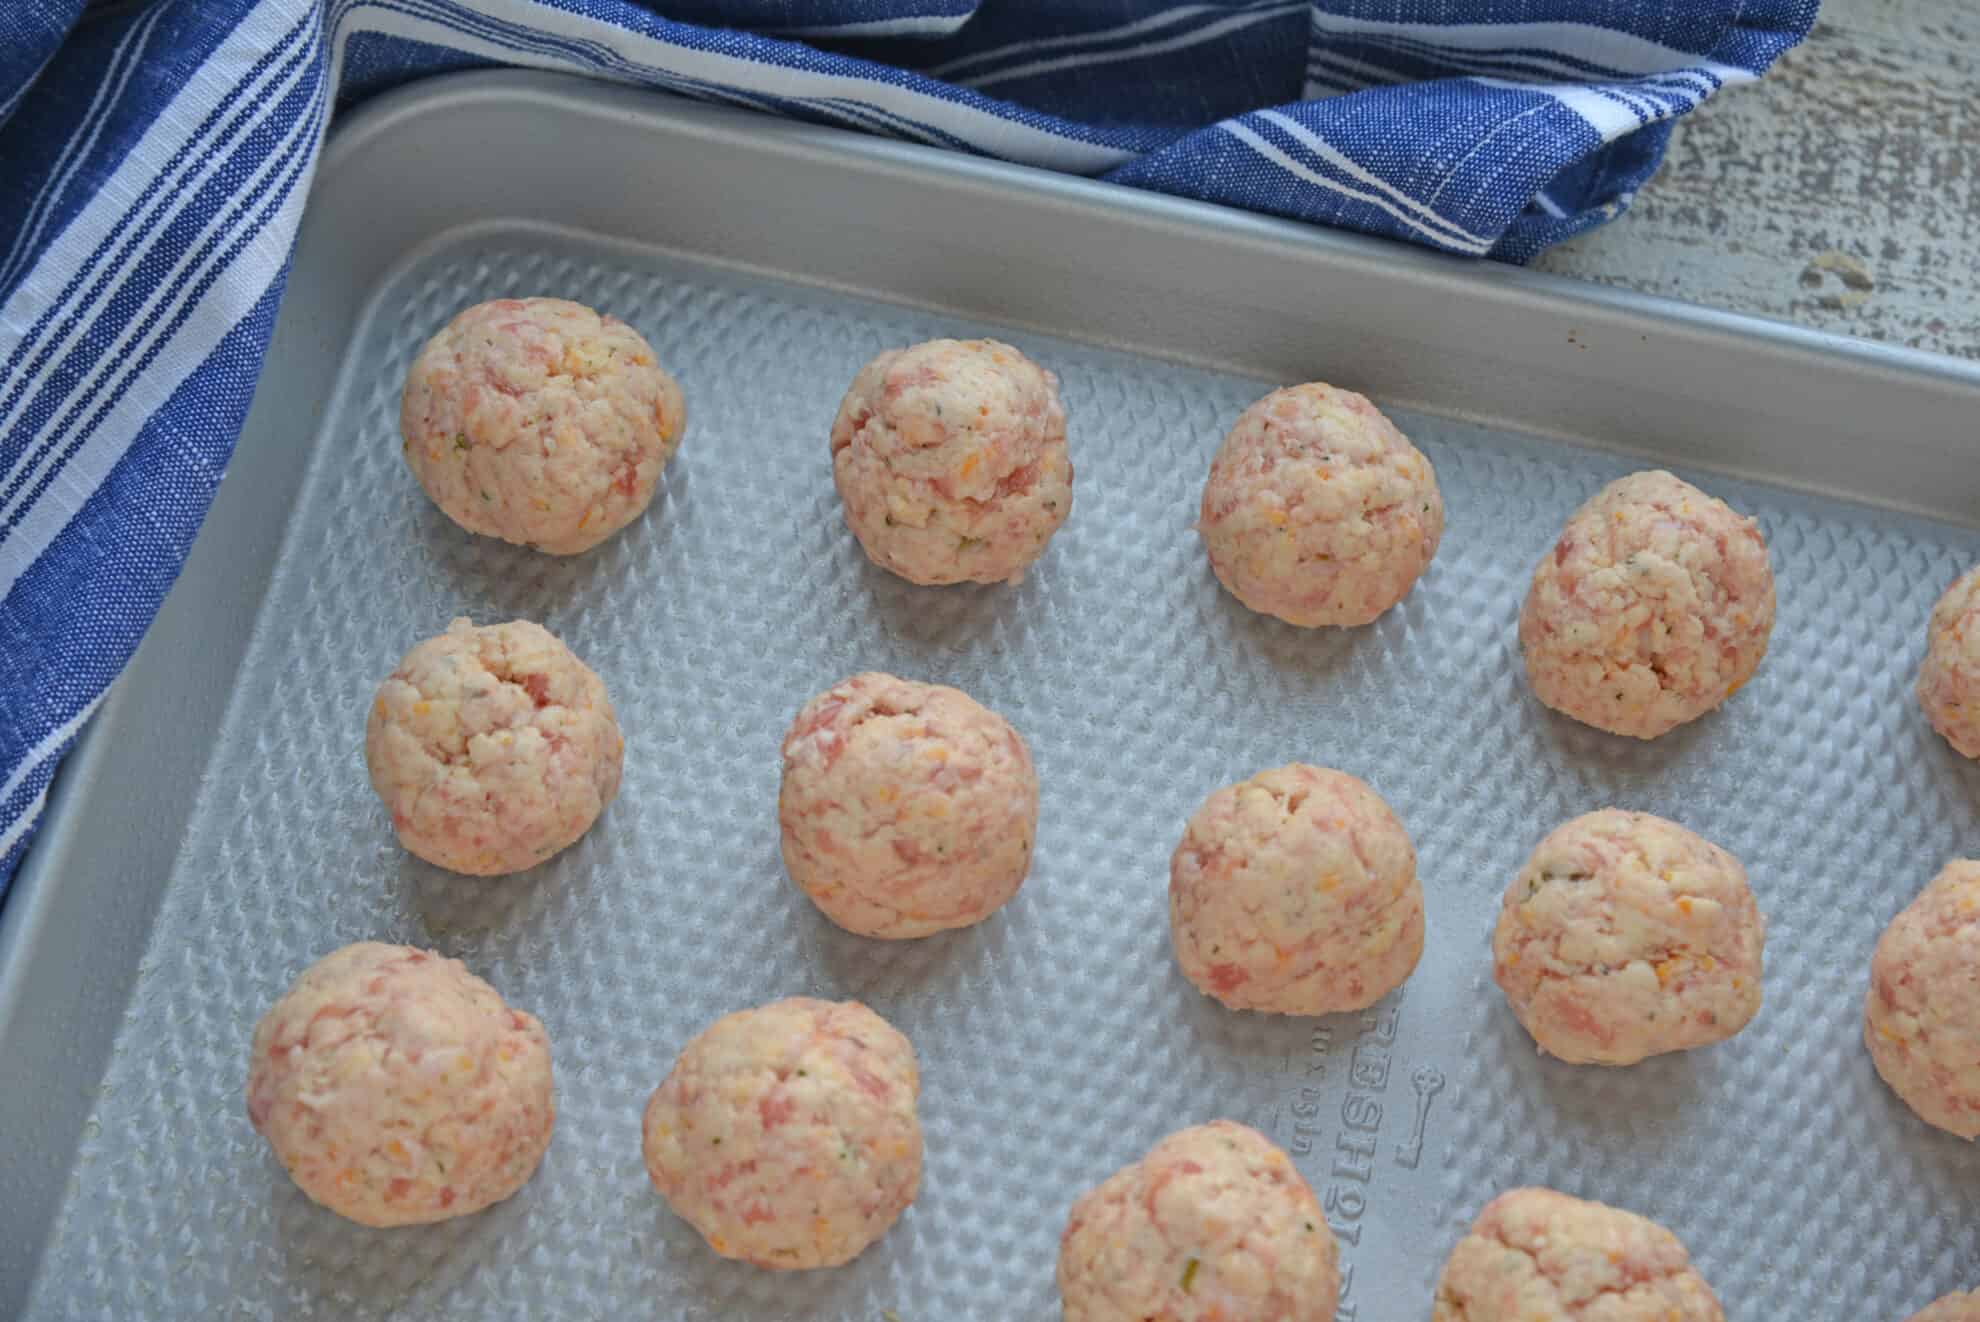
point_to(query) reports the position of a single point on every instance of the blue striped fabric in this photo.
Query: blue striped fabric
(154, 159)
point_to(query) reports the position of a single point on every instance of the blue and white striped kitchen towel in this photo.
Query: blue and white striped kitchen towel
(155, 156)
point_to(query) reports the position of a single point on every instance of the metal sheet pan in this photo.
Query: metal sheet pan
(215, 831)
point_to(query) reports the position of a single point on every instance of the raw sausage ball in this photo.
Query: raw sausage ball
(1653, 608)
(1627, 936)
(906, 808)
(1318, 510)
(539, 421)
(1921, 1020)
(397, 1088)
(492, 747)
(787, 1134)
(1534, 1255)
(1949, 681)
(1213, 1225)
(950, 457)
(1296, 892)
(1952, 1308)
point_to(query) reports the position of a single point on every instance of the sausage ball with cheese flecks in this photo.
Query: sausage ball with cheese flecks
(1318, 510)
(397, 1088)
(1654, 607)
(787, 1135)
(1213, 1225)
(492, 747)
(1949, 680)
(538, 421)
(1921, 1019)
(1627, 936)
(950, 457)
(1534, 1255)
(906, 808)
(1296, 892)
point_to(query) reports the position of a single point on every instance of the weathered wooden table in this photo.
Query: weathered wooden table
(1843, 192)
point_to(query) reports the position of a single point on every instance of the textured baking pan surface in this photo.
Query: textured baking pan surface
(1057, 1039)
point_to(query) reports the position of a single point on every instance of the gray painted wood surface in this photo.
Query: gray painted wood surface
(1841, 192)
